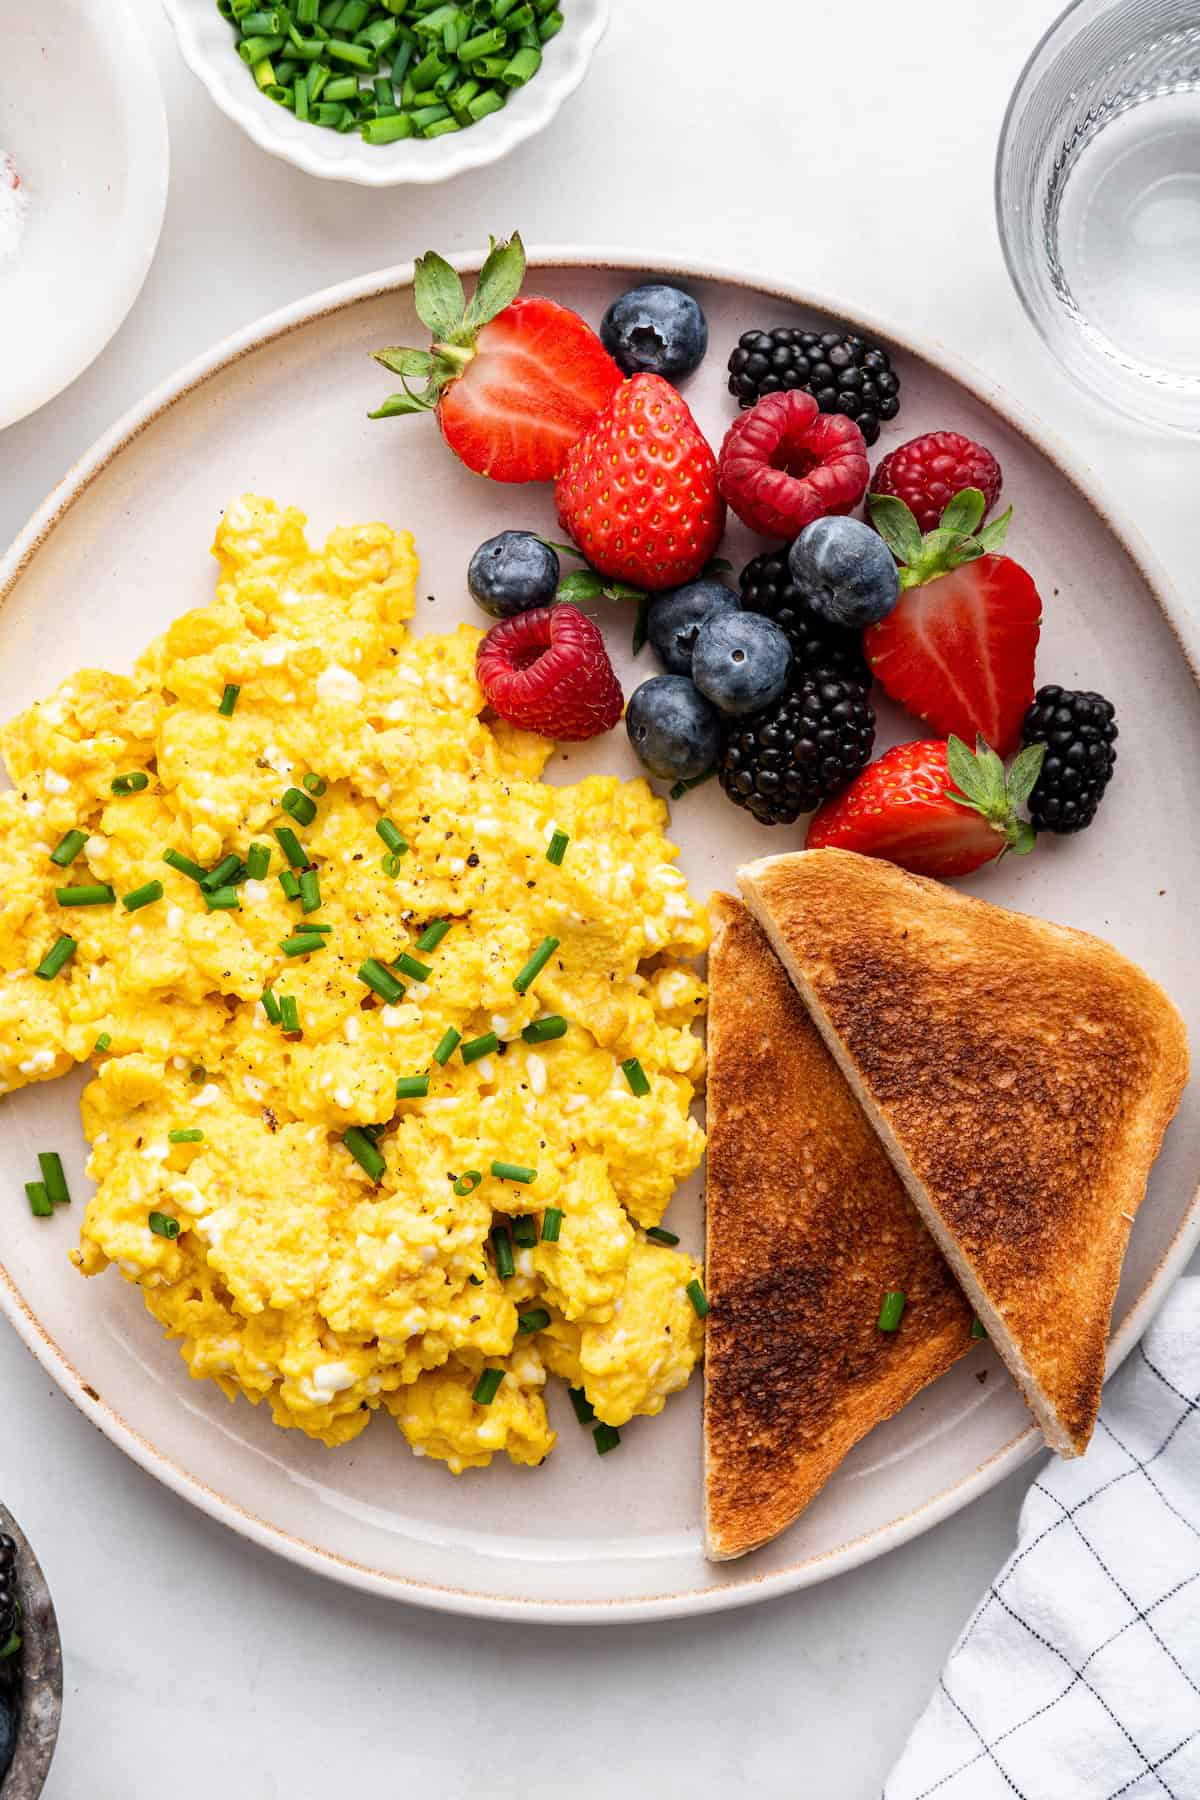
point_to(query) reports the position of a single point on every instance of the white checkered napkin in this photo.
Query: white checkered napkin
(1078, 1678)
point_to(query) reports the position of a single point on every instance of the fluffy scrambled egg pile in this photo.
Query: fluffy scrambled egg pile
(286, 1270)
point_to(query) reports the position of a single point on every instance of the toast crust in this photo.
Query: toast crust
(807, 1228)
(1021, 1076)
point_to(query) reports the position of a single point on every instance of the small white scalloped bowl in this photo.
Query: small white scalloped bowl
(208, 44)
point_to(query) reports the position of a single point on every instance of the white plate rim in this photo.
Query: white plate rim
(691, 1602)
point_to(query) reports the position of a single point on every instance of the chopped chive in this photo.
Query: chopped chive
(635, 1075)
(94, 893)
(485, 43)
(58, 955)
(390, 128)
(978, 1330)
(695, 1294)
(557, 848)
(585, 1412)
(480, 1046)
(381, 981)
(523, 66)
(289, 843)
(68, 848)
(392, 836)
(502, 1246)
(441, 127)
(229, 700)
(289, 1013)
(525, 1231)
(143, 896)
(300, 97)
(488, 1387)
(310, 891)
(222, 899)
(449, 1044)
(540, 1031)
(220, 875)
(468, 1182)
(131, 784)
(551, 1224)
(163, 1225)
(392, 864)
(258, 861)
(550, 26)
(199, 1075)
(659, 1235)
(289, 884)
(433, 934)
(536, 964)
(299, 806)
(506, 1171)
(102, 1043)
(185, 865)
(892, 1310)
(355, 56)
(605, 1438)
(270, 1005)
(315, 925)
(40, 1203)
(412, 1087)
(408, 965)
(190, 1134)
(364, 1152)
(53, 1178)
(483, 104)
(302, 944)
(536, 1319)
(315, 784)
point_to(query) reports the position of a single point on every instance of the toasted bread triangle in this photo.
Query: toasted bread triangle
(808, 1227)
(1020, 1075)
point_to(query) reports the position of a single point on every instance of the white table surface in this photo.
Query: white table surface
(849, 152)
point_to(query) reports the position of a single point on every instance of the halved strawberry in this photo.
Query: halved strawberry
(933, 808)
(514, 381)
(959, 647)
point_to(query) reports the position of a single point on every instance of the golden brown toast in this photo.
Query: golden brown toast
(808, 1228)
(1021, 1076)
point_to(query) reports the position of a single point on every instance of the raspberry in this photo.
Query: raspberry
(785, 463)
(547, 671)
(928, 471)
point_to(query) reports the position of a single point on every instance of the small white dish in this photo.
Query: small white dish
(209, 48)
(94, 174)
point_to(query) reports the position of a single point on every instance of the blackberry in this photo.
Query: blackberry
(1078, 730)
(767, 587)
(843, 373)
(785, 760)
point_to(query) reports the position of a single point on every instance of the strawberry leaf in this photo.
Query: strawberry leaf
(499, 282)
(621, 590)
(992, 769)
(579, 585)
(992, 536)
(1023, 839)
(964, 513)
(397, 404)
(566, 549)
(438, 295)
(896, 526)
(966, 772)
(405, 362)
(1022, 777)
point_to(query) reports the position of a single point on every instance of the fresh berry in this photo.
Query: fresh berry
(8, 1732)
(675, 617)
(673, 728)
(958, 649)
(767, 587)
(513, 381)
(785, 464)
(548, 671)
(847, 572)
(844, 374)
(785, 760)
(1079, 731)
(8, 1550)
(928, 471)
(655, 330)
(742, 662)
(512, 572)
(934, 808)
(638, 492)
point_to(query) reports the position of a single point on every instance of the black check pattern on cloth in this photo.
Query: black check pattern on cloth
(1078, 1676)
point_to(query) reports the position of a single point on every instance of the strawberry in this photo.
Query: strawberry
(638, 491)
(513, 381)
(958, 648)
(934, 808)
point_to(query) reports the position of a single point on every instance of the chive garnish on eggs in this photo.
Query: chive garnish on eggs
(40, 1204)
(289, 1013)
(488, 1387)
(535, 965)
(364, 1152)
(696, 1295)
(524, 1229)
(258, 861)
(541, 1031)
(584, 1411)
(68, 848)
(310, 891)
(53, 1178)
(221, 875)
(89, 894)
(506, 1171)
(551, 1224)
(187, 1134)
(131, 784)
(658, 1235)
(163, 1225)
(536, 1319)
(299, 806)
(185, 865)
(433, 934)
(605, 1438)
(502, 1246)
(468, 1182)
(448, 1045)
(56, 958)
(143, 896)
(635, 1075)
(303, 943)
(229, 700)
(408, 965)
(381, 981)
(557, 848)
(291, 846)
(480, 1046)
(412, 1087)
(392, 836)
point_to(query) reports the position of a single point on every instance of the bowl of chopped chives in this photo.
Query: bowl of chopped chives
(385, 92)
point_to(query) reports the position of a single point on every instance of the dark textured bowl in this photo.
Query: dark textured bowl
(41, 1675)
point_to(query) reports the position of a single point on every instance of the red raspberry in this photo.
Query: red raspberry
(928, 471)
(785, 463)
(547, 671)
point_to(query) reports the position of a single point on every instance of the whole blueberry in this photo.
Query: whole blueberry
(512, 572)
(676, 616)
(673, 728)
(846, 571)
(741, 661)
(656, 329)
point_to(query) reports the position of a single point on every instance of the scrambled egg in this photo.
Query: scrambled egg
(295, 1277)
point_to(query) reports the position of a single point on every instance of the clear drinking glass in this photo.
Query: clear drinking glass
(1098, 201)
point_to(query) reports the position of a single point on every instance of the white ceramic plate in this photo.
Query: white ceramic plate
(121, 548)
(82, 117)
